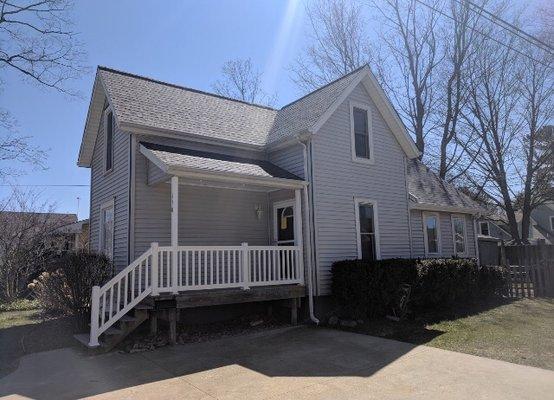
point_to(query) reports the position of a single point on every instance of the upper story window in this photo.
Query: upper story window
(107, 228)
(459, 234)
(366, 226)
(108, 141)
(431, 234)
(484, 228)
(362, 143)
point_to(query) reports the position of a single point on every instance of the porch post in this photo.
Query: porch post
(174, 232)
(298, 233)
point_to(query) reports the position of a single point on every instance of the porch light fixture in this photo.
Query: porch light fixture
(259, 211)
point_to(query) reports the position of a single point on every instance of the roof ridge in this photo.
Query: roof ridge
(146, 78)
(324, 86)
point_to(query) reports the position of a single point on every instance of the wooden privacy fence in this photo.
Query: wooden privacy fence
(530, 269)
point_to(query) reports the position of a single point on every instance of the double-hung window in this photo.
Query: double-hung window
(459, 234)
(484, 228)
(362, 144)
(367, 229)
(108, 140)
(431, 234)
(107, 228)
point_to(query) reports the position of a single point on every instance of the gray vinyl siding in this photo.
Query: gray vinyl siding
(111, 185)
(446, 236)
(290, 158)
(207, 216)
(337, 180)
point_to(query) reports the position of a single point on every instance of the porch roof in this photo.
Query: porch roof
(222, 167)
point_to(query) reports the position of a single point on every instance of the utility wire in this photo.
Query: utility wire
(513, 29)
(44, 185)
(486, 35)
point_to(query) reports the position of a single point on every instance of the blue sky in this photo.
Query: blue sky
(180, 42)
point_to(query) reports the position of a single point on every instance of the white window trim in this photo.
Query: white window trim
(488, 227)
(106, 112)
(367, 108)
(463, 218)
(104, 206)
(552, 222)
(277, 205)
(439, 242)
(357, 202)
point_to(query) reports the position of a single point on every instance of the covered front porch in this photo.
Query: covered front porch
(226, 228)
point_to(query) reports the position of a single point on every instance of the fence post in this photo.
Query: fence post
(245, 266)
(155, 269)
(94, 312)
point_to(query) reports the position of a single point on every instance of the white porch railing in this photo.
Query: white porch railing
(181, 268)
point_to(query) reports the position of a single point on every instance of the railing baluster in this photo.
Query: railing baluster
(133, 283)
(217, 254)
(118, 296)
(103, 318)
(186, 268)
(111, 302)
(140, 278)
(211, 267)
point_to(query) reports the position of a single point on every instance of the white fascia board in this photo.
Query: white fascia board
(448, 209)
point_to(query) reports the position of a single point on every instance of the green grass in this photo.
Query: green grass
(521, 332)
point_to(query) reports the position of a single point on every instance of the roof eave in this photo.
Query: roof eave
(445, 208)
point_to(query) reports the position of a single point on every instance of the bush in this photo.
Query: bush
(370, 289)
(66, 287)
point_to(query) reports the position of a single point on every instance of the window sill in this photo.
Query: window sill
(366, 161)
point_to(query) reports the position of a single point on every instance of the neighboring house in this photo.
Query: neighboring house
(37, 227)
(543, 221)
(77, 234)
(493, 226)
(333, 175)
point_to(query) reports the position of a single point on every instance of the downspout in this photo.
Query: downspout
(476, 240)
(408, 207)
(308, 241)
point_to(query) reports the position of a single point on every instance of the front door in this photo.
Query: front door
(283, 221)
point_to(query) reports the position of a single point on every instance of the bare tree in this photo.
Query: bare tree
(38, 44)
(492, 116)
(408, 65)
(537, 144)
(242, 81)
(26, 228)
(338, 43)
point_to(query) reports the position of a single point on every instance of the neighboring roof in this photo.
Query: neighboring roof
(52, 220)
(428, 191)
(147, 105)
(75, 227)
(168, 158)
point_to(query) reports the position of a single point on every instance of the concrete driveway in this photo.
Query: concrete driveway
(297, 363)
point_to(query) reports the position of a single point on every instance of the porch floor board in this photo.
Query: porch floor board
(214, 297)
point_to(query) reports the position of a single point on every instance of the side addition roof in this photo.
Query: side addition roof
(429, 192)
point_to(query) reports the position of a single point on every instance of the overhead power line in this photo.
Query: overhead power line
(39, 185)
(486, 35)
(513, 29)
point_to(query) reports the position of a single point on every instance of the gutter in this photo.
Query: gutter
(308, 242)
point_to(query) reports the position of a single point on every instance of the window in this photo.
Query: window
(552, 222)
(366, 226)
(431, 234)
(283, 216)
(107, 228)
(108, 146)
(484, 228)
(459, 234)
(360, 119)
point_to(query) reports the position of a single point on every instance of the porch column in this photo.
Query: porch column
(298, 233)
(174, 231)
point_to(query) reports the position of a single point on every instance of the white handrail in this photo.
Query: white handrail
(195, 268)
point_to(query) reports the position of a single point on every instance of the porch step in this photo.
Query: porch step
(143, 306)
(111, 331)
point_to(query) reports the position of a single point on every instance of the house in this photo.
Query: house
(194, 195)
(76, 233)
(41, 228)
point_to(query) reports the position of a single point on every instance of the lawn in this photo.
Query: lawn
(23, 330)
(521, 331)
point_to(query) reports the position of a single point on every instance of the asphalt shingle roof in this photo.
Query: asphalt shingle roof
(428, 188)
(216, 162)
(159, 105)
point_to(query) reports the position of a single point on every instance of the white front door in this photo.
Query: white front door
(283, 222)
